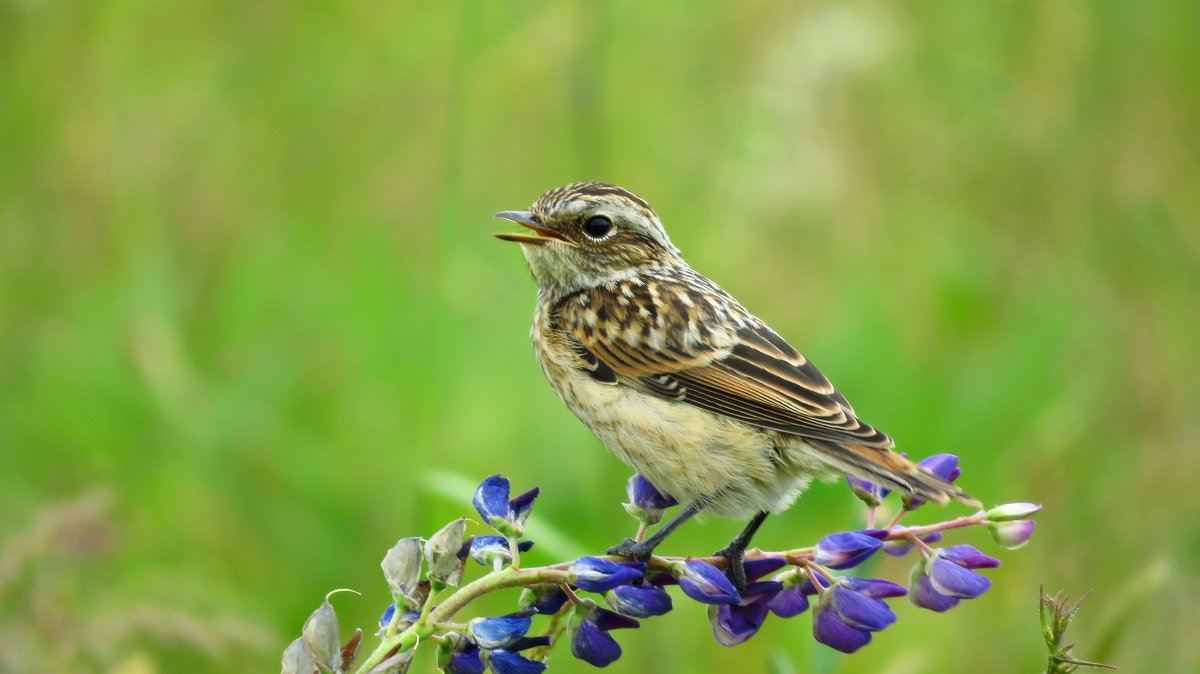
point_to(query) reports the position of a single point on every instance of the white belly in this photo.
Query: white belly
(685, 451)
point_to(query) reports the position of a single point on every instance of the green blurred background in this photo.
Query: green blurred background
(254, 328)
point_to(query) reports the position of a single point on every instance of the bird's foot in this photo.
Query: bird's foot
(735, 571)
(632, 549)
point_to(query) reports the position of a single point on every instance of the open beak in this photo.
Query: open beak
(540, 235)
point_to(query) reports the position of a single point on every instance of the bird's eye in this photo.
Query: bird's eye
(597, 227)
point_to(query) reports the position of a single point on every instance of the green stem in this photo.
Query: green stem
(424, 627)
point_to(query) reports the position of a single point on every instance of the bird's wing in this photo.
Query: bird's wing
(691, 342)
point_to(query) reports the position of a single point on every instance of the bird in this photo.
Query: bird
(680, 380)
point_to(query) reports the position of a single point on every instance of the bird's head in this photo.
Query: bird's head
(587, 234)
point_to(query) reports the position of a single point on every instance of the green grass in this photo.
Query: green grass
(248, 292)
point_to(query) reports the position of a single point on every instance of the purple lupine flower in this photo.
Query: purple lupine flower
(646, 502)
(639, 600)
(944, 466)
(735, 623)
(867, 492)
(465, 661)
(529, 642)
(846, 614)
(847, 549)
(941, 580)
(705, 583)
(600, 575)
(506, 662)
(901, 546)
(876, 588)
(792, 600)
(499, 511)
(923, 595)
(970, 557)
(386, 618)
(487, 550)
(501, 632)
(830, 630)
(1012, 535)
(543, 599)
(591, 641)
(760, 566)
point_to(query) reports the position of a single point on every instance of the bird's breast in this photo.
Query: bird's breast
(685, 451)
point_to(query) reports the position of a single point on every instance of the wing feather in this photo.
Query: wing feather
(711, 354)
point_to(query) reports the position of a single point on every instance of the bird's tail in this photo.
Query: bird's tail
(888, 469)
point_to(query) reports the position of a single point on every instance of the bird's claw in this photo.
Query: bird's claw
(735, 571)
(631, 549)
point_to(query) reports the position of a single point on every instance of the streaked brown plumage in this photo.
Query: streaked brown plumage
(676, 377)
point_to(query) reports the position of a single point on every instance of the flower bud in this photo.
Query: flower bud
(867, 492)
(457, 655)
(735, 623)
(546, 599)
(705, 583)
(402, 570)
(591, 641)
(501, 632)
(639, 601)
(1012, 511)
(297, 659)
(846, 549)
(441, 553)
(507, 662)
(646, 502)
(1012, 535)
(956, 581)
(488, 550)
(501, 513)
(600, 575)
(321, 637)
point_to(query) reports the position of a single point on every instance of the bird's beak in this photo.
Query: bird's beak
(540, 236)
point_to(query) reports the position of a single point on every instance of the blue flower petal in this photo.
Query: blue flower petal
(761, 566)
(507, 662)
(846, 549)
(969, 557)
(550, 602)
(788, 602)
(640, 601)
(953, 580)
(858, 610)
(646, 496)
(499, 632)
(594, 645)
(466, 661)
(944, 466)
(600, 575)
(611, 620)
(386, 618)
(875, 587)
(762, 589)
(525, 643)
(706, 583)
(923, 595)
(829, 629)
(735, 623)
(520, 505)
(491, 498)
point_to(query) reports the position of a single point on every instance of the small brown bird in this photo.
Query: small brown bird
(678, 379)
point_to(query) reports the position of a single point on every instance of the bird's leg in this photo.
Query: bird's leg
(642, 550)
(736, 550)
